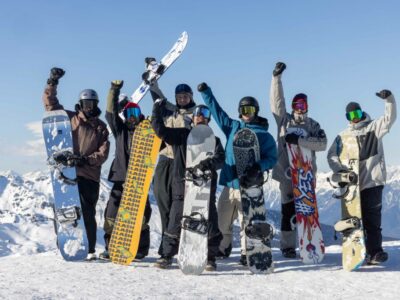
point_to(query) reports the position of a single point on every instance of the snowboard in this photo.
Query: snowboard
(353, 241)
(309, 233)
(155, 69)
(125, 237)
(68, 219)
(258, 232)
(193, 246)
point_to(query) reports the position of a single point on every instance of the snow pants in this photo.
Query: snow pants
(288, 218)
(371, 209)
(230, 208)
(162, 187)
(89, 195)
(110, 215)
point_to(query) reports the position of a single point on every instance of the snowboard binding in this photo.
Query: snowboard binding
(260, 231)
(154, 70)
(195, 223)
(347, 225)
(197, 176)
(70, 214)
(343, 181)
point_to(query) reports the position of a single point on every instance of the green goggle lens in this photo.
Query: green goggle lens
(246, 110)
(355, 114)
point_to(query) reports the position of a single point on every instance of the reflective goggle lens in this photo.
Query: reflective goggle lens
(355, 114)
(202, 111)
(88, 104)
(246, 110)
(133, 112)
(300, 105)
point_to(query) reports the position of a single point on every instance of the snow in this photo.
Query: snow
(31, 268)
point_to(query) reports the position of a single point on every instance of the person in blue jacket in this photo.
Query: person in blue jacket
(229, 203)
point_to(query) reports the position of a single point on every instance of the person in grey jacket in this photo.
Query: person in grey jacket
(372, 167)
(315, 141)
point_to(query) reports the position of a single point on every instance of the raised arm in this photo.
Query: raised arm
(50, 100)
(112, 116)
(277, 98)
(384, 123)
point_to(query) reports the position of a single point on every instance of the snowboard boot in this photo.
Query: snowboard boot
(243, 260)
(211, 266)
(91, 257)
(350, 223)
(139, 256)
(163, 262)
(104, 255)
(378, 258)
(289, 253)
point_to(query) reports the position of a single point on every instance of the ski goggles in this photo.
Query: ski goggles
(247, 110)
(133, 112)
(88, 104)
(202, 111)
(354, 115)
(300, 105)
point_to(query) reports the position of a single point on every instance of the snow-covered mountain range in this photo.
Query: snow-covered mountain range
(26, 225)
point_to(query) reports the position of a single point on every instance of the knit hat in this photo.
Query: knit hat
(352, 106)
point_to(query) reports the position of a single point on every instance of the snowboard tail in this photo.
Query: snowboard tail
(127, 229)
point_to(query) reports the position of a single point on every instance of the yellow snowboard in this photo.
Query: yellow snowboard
(126, 233)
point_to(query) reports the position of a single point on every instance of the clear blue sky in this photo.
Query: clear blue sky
(336, 52)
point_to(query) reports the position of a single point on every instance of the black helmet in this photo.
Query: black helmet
(248, 101)
(183, 88)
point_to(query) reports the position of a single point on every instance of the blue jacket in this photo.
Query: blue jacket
(229, 127)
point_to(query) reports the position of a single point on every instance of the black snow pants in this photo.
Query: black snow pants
(110, 215)
(162, 187)
(371, 209)
(89, 195)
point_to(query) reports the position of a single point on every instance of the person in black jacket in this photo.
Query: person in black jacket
(123, 132)
(177, 138)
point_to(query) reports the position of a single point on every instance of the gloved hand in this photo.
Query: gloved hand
(279, 68)
(202, 87)
(55, 75)
(77, 161)
(252, 176)
(205, 165)
(292, 138)
(384, 94)
(148, 60)
(117, 84)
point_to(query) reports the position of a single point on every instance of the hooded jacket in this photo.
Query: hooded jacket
(368, 134)
(89, 136)
(229, 127)
(315, 141)
(177, 138)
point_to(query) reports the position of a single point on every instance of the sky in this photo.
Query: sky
(335, 51)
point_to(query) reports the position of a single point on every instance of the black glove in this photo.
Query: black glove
(55, 75)
(202, 87)
(384, 94)
(149, 60)
(77, 161)
(252, 176)
(205, 165)
(279, 68)
(117, 84)
(292, 138)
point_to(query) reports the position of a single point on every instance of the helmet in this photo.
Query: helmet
(132, 109)
(202, 110)
(183, 88)
(300, 100)
(248, 101)
(88, 94)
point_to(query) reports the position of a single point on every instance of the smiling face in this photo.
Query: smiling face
(183, 99)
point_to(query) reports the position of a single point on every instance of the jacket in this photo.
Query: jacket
(177, 138)
(315, 141)
(89, 136)
(369, 134)
(229, 127)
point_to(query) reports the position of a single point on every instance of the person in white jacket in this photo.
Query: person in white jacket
(315, 141)
(372, 167)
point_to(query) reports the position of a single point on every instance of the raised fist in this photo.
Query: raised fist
(384, 94)
(279, 68)
(117, 84)
(202, 87)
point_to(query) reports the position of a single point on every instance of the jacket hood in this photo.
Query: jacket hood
(258, 121)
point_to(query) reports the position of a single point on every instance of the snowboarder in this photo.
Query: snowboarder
(91, 148)
(316, 141)
(372, 169)
(174, 116)
(123, 132)
(177, 138)
(229, 203)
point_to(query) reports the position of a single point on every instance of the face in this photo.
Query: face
(88, 107)
(248, 117)
(183, 99)
(200, 120)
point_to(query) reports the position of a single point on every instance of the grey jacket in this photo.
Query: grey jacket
(369, 134)
(315, 141)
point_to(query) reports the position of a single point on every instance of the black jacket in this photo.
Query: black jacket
(123, 138)
(177, 138)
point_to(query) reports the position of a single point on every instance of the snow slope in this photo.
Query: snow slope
(30, 267)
